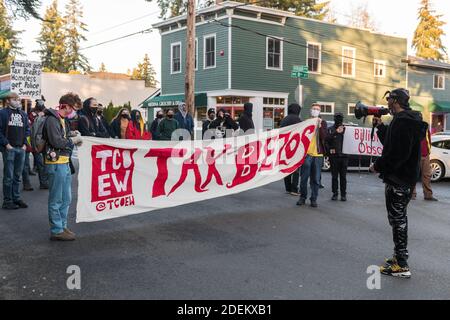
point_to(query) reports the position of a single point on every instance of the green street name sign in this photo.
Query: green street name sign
(299, 72)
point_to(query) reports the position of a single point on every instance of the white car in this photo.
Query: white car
(440, 157)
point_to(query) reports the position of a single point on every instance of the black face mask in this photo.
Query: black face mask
(159, 116)
(125, 116)
(211, 116)
(99, 112)
(170, 116)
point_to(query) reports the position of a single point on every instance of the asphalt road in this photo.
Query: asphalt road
(254, 245)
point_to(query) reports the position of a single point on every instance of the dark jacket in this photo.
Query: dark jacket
(90, 125)
(293, 116)
(185, 122)
(320, 142)
(334, 142)
(399, 163)
(56, 135)
(154, 128)
(166, 127)
(245, 120)
(223, 124)
(5, 115)
(205, 126)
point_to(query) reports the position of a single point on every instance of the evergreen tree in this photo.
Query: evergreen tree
(74, 29)
(145, 71)
(9, 41)
(361, 18)
(52, 40)
(306, 8)
(428, 35)
(24, 8)
(102, 68)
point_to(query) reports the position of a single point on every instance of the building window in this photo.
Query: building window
(348, 61)
(196, 54)
(439, 82)
(175, 57)
(274, 54)
(313, 56)
(210, 51)
(326, 107)
(379, 68)
(350, 109)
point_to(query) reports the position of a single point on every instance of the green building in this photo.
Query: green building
(428, 84)
(247, 53)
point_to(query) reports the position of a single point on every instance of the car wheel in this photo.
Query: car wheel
(326, 164)
(437, 170)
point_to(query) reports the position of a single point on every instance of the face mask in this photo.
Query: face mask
(211, 116)
(170, 116)
(14, 104)
(72, 114)
(159, 116)
(126, 116)
(99, 112)
(315, 113)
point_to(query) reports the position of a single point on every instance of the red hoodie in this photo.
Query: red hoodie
(425, 145)
(135, 133)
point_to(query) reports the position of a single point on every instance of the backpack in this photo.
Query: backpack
(37, 140)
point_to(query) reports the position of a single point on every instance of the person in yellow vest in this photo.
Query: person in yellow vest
(58, 148)
(312, 167)
(425, 169)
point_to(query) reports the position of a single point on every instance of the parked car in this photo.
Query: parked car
(442, 133)
(440, 157)
(355, 162)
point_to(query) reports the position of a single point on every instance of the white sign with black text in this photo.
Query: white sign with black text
(26, 79)
(357, 141)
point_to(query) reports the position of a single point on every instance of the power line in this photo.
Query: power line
(304, 46)
(119, 38)
(124, 23)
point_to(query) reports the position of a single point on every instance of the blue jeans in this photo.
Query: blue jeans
(60, 195)
(311, 169)
(13, 162)
(26, 170)
(39, 163)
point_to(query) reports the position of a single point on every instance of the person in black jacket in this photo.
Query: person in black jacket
(293, 117)
(103, 120)
(89, 124)
(223, 125)
(155, 123)
(208, 121)
(245, 120)
(399, 168)
(338, 160)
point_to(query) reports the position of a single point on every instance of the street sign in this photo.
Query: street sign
(300, 72)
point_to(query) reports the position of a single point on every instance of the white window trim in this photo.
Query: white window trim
(319, 66)
(171, 57)
(281, 53)
(354, 62)
(196, 53)
(348, 108)
(205, 37)
(379, 62)
(329, 103)
(434, 82)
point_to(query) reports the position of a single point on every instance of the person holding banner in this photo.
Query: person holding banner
(14, 131)
(58, 149)
(312, 167)
(338, 160)
(293, 117)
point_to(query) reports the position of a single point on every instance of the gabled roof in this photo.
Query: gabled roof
(427, 63)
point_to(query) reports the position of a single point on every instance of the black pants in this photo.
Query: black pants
(291, 181)
(338, 167)
(397, 199)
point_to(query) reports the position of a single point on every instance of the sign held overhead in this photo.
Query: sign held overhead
(26, 79)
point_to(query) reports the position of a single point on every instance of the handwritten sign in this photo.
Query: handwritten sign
(26, 79)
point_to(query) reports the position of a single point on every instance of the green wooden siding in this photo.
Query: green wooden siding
(249, 62)
(205, 80)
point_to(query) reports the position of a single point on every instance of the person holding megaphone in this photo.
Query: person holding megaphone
(398, 166)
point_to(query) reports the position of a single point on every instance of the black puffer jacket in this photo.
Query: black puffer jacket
(400, 160)
(293, 116)
(334, 142)
(245, 120)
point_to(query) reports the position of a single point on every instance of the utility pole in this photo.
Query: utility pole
(189, 83)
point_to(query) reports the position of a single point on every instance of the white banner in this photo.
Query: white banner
(26, 79)
(357, 141)
(123, 177)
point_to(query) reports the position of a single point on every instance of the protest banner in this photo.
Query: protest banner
(357, 141)
(26, 79)
(123, 177)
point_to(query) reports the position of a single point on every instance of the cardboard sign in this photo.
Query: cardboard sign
(26, 79)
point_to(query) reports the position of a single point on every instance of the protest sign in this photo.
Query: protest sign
(123, 177)
(26, 79)
(357, 141)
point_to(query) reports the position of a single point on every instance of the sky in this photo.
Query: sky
(109, 19)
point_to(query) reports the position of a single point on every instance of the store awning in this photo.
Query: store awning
(4, 93)
(416, 106)
(173, 101)
(439, 106)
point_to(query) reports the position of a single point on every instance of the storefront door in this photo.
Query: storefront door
(437, 122)
(272, 117)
